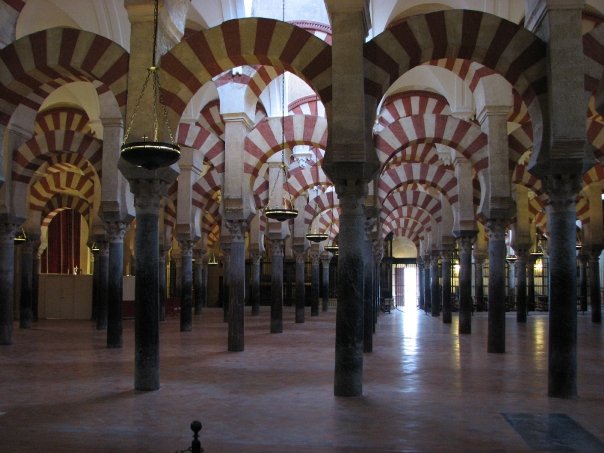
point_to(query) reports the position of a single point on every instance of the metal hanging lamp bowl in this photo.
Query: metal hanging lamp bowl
(333, 248)
(150, 155)
(281, 214)
(317, 237)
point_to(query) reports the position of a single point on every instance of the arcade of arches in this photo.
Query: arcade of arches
(459, 143)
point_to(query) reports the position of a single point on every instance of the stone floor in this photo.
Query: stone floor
(425, 389)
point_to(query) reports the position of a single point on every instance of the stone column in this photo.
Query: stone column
(434, 286)
(561, 212)
(465, 281)
(7, 272)
(186, 284)
(427, 284)
(277, 285)
(25, 305)
(226, 276)
(237, 229)
(378, 253)
(103, 255)
(147, 196)
(300, 288)
(479, 283)
(35, 279)
(583, 259)
(314, 283)
(325, 260)
(530, 290)
(350, 308)
(198, 281)
(521, 311)
(115, 237)
(496, 333)
(445, 255)
(420, 282)
(594, 285)
(370, 224)
(95, 282)
(162, 284)
(255, 284)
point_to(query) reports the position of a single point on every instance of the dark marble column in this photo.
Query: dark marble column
(103, 255)
(7, 272)
(349, 316)
(368, 290)
(594, 285)
(434, 286)
(115, 237)
(427, 284)
(465, 281)
(198, 281)
(479, 284)
(95, 282)
(276, 285)
(186, 284)
(35, 279)
(325, 259)
(378, 254)
(147, 196)
(530, 277)
(161, 280)
(314, 283)
(420, 283)
(300, 289)
(25, 305)
(255, 283)
(521, 311)
(226, 277)
(496, 322)
(445, 256)
(237, 229)
(583, 259)
(562, 351)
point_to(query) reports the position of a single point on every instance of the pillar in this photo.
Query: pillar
(427, 284)
(420, 283)
(465, 281)
(594, 285)
(186, 284)
(521, 307)
(225, 245)
(7, 272)
(479, 283)
(25, 305)
(237, 229)
(314, 283)
(562, 352)
(583, 259)
(368, 289)
(95, 282)
(115, 275)
(198, 281)
(255, 283)
(277, 285)
(446, 285)
(496, 322)
(35, 279)
(349, 316)
(162, 284)
(103, 254)
(300, 256)
(530, 277)
(325, 260)
(434, 286)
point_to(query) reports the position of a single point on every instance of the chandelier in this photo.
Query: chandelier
(316, 236)
(149, 152)
(333, 247)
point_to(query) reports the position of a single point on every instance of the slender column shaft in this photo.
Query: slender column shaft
(226, 279)
(521, 311)
(349, 316)
(237, 285)
(198, 287)
(314, 284)
(496, 333)
(446, 287)
(147, 194)
(420, 283)
(186, 285)
(594, 287)
(255, 284)
(95, 284)
(479, 284)
(101, 319)
(368, 308)
(7, 256)
(583, 282)
(435, 288)
(300, 290)
(427, 285)
(530, 290)
(465, 284)
(162, 286)
(277, 286)
(115, 232)
(35, 281)
(25, 306)
(562, 351)
(325, 283)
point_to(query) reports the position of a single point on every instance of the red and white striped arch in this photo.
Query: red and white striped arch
(593, 50)
(519, 141)
(595, 174)
(595, 136)
(307, 105)
(324, 202)
(42, 61)
(267, 138)
(318, 29)
(53, 183)
(40, 149)
(198, 138)
(206, 188)
(413, 102)
(61, 201)
(464, 136)
(328, 221)
(502, 46)
(411, 212)
(438, 177)
(253, 41)
(417, 198)
(210, 118)
(65, 118)
(523, 176)
(406, 227)
(418, 152)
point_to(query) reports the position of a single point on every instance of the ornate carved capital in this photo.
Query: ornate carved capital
(276, 247)
(256, 256)
(7, 232)
(562, 191)
(115, 231)
(496, 229)
(315, 257)
(147, 194)
(237, 229)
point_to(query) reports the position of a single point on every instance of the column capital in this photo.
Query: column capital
(300, 255)
(256, 256)
(276, 247)
(116, 231)
(314, 256)
(496, 229)
(237, 229)
(186, 246)
(148, 194)
(562, 191)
